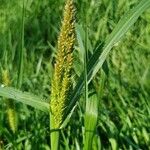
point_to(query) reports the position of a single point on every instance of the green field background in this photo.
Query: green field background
(28, 46)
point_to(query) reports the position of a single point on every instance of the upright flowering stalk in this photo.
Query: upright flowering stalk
(11, 113)
(61, 83)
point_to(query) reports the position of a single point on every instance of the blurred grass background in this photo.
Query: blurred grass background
(123, 86)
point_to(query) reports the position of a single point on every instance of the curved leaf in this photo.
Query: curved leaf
(98, 58)
(24, 97)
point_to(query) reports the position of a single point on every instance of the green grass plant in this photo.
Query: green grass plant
(99, 94)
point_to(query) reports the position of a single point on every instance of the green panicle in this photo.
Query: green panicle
(11, 113)
(61, 83)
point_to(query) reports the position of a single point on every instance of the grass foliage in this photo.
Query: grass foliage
(110, 102)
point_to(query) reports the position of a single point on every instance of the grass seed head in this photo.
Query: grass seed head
(62, 75)
(11, 113)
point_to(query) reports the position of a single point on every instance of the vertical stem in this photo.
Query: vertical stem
(85, 82)
(20, 70)
(54, 134)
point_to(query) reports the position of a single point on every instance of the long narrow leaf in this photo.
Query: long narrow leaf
(91, 116)
(24, 97)
(21, 50)
(97, 60)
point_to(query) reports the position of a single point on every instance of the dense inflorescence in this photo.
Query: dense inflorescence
(61, 83)
(11, 113)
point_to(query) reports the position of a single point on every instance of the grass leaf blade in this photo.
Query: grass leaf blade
(98, 58)
(24, 97)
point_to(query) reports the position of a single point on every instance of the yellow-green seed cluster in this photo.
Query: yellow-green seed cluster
(61, 83)
(5, 78)
(11, 113)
